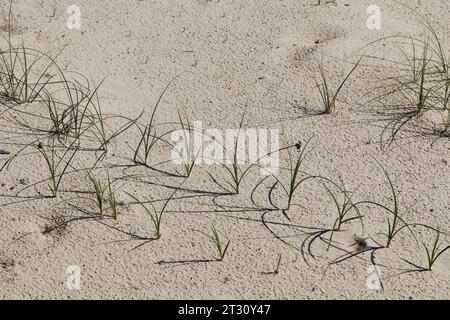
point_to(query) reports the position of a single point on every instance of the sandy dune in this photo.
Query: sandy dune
(224, 57)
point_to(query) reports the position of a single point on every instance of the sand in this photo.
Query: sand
(226, 56)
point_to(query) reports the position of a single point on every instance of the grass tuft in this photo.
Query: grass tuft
(434, 252)
(344, 207)
(56, 165)
(327, 94)
(395, 221)
(190, 155)
(219, 244)
(155, 215)
(296, 178)
(112, 199)
(99, 191)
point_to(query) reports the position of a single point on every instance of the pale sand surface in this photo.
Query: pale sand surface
(228, 55)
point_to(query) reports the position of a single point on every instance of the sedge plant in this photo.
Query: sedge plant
(416, 89)
(344, 207)
(219, 244)
(434, 252)
(99, 191)
(112, 199)
(155, 215)
(23, 71)
(297, 176)
(236, 172)
(103, 193)
(148, 133)
(395, 221)
(189, 155)
(57, 165)
(327, 94)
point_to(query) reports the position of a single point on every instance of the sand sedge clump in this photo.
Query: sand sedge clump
(233, 163)
(219, 244)
(148, 134)
(415, 65)
(237, 174)
(66, 114)
(235, 170)
(80, 111)
(294, 182)
(190, 155)
(112, 199)
(17, 65)
(60, 126)
(57, 166)
(442, 64)
(328, 96)
(416, 89)
(147, 142)
(443, 67)
(396, 224)
(105, 139)
(423, 93)
(395, 221)
(434, 252)
(296, 178)
(81, 114)
(15, 72)
(99, 191)
(344, 208)
(429, 85)
(155, 215)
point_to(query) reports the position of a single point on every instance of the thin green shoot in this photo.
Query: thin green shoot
(220, 246)
(57, 166)
(112, 199)
(328, 96)
(434, 252)
(277, 268)
(155, 215)
(99, 191)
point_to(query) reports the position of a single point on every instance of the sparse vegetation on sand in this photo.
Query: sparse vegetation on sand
(220, 245)
(61, 116)
(327, 94)
(434, 251)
